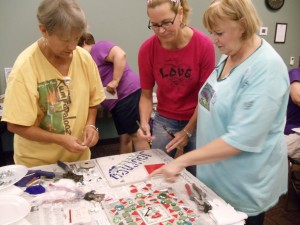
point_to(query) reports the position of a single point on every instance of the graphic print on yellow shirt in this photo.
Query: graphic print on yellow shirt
(55, 101)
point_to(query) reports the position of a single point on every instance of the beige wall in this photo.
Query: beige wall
(125, 23)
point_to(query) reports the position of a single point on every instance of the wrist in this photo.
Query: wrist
(187, 133)
(90, 125)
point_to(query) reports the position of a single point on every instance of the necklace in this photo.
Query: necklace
(225, 61)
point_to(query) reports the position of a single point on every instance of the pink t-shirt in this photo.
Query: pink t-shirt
(179, 74)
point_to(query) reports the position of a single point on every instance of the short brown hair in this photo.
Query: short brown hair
(86, 38)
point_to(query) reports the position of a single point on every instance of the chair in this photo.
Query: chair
(294, 178)
(293, 142)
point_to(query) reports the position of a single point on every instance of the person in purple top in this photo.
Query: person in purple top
(118, 77)
(293, 115)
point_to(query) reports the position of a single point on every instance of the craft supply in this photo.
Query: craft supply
(77, 216)
(169, 131)
(31, 174)
(87, 165)
(199, 199)
(35, 189)
(138, 123)
(128, 168)
(91, 195)
(151, 167)
(11, 174)
(148, 206)
(191, 195)
(69, 172)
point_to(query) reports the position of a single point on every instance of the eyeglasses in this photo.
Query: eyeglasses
(164, 25)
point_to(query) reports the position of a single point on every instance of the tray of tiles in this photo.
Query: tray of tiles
(132, 167)
(149, 206)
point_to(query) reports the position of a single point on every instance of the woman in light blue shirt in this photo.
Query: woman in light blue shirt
(241, 153)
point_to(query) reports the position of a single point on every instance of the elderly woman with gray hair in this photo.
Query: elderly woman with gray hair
(53, 91)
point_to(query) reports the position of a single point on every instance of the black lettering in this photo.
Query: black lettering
(162, 73)
(180, 72)
(172, 72)
(188, 73)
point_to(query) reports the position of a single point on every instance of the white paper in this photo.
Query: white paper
(297, 130)
(280, 33)
(109, 95)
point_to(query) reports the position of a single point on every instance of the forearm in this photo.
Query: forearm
(145, 106)
(92, 114)
(34, 133)
(215, 151)
(191, 125)
(119, 67)
(118, 57)
(295, 92)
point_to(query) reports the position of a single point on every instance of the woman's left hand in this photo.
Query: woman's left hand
(179, 141)
(90, 136)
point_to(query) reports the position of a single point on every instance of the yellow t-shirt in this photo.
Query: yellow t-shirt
(39, 95)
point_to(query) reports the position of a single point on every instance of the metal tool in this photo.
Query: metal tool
(203, 204)
(36, 174)
(69, 172)
(191, 194)
(169, 131)
(199, 199)
(201, 193)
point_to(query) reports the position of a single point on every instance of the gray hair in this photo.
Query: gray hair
(61, 16)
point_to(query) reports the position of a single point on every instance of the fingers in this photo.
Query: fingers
(172, 179)
(78, 147)
(155, 173)
(145, 135)
(162, 172)
(111, 90)
(90, 137)
(179, 142)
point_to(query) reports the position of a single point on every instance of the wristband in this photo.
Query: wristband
(93, 126)
(187, 133)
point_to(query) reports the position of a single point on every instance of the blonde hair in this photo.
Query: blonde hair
(174, 7)
(61, 16)
(242, 11)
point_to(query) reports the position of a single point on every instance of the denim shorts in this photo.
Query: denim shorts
(126, 113)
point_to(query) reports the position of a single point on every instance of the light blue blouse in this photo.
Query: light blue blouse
(247, 110)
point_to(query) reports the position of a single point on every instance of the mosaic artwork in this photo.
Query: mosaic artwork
(129, 168)
(149, 206)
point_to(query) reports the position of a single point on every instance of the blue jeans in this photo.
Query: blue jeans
(162, 138)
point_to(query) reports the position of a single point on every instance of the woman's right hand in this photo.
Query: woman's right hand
(144, 133)
(73, 144)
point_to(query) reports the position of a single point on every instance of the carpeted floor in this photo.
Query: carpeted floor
(278, 215)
